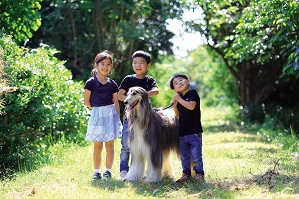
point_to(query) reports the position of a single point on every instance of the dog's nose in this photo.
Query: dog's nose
(125, 102)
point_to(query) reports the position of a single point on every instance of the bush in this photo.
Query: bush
(285, 117)
(41, 105)
(282, 116)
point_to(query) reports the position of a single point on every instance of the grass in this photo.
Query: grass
(238, 163)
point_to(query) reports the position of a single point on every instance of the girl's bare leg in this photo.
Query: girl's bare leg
(109, 153)
(97, 154)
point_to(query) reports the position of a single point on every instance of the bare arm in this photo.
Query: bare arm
(116, 103)
(188, 105)
(121, 95)
(153, 92)
(175, 108)
(87, 94)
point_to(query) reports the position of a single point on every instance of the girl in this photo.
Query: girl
(100, 95)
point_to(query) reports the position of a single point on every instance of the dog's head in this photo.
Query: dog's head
(136, 97)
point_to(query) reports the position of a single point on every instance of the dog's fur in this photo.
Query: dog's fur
(154, 135)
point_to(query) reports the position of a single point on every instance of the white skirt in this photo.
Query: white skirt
(104, 124)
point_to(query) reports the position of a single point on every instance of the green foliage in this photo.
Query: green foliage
(286, 138)
(214, 82)
(258, 43)
(284, 117)
(42, 105)
(3, 83)
(268, 30)
(207, 74)
(20, 18)
(81, 29)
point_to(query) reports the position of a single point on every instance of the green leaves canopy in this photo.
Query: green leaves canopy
(20, 18)
(258, 41)
(81, 29)
(268, 30)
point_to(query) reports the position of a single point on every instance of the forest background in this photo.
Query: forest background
(249, 61)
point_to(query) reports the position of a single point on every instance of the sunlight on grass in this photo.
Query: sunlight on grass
(235, 164)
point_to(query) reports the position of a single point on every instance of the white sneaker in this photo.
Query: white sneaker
(123, 174)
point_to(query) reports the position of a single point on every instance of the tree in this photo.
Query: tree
(258, 42)
(20, 18)
(81, 29)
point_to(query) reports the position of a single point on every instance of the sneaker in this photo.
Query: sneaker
(199, 177)
(184, 178)
(107, 175)
(123, 174)
(96, 176)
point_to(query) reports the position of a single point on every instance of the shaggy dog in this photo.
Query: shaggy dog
(154, 135)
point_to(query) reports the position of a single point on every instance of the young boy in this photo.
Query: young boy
(141, 62)
(186, 105)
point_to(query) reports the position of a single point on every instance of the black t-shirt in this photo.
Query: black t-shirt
(190, 119)
(148, 83)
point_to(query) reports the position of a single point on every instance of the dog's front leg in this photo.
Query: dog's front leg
(136, 169)
(153, 174)
(149, 170)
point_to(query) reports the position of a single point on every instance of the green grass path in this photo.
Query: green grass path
(238, 164)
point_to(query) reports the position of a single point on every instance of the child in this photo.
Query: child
(141, 62)
(100, 95)
(187, 107)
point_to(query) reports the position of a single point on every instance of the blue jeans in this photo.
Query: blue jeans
(191, 149)
(125, 152)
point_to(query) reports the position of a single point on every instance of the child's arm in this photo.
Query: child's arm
(153, 92)
(116, 103)
(188, 105)
(87, 94)
(175, 108)
(121, 95)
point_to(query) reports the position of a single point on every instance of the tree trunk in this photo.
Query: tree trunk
(256, 84)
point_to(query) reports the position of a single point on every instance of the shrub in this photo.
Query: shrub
(41, 105)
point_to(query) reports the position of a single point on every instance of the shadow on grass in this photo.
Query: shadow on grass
(274, 182)
(231, 126)
(166, 188)
(250, 130)
(220, 128)
(109, 184)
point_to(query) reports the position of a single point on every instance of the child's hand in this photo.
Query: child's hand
(177, 97)
(173, 102)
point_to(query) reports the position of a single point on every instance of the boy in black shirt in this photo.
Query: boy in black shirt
(141, 62)
(187, 107)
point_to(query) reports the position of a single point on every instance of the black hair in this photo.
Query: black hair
(101, 56)
(143, 54)
(175, 76)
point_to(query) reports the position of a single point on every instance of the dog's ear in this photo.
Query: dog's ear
(145, 102)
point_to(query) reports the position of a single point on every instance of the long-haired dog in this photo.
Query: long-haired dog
(154, 135)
